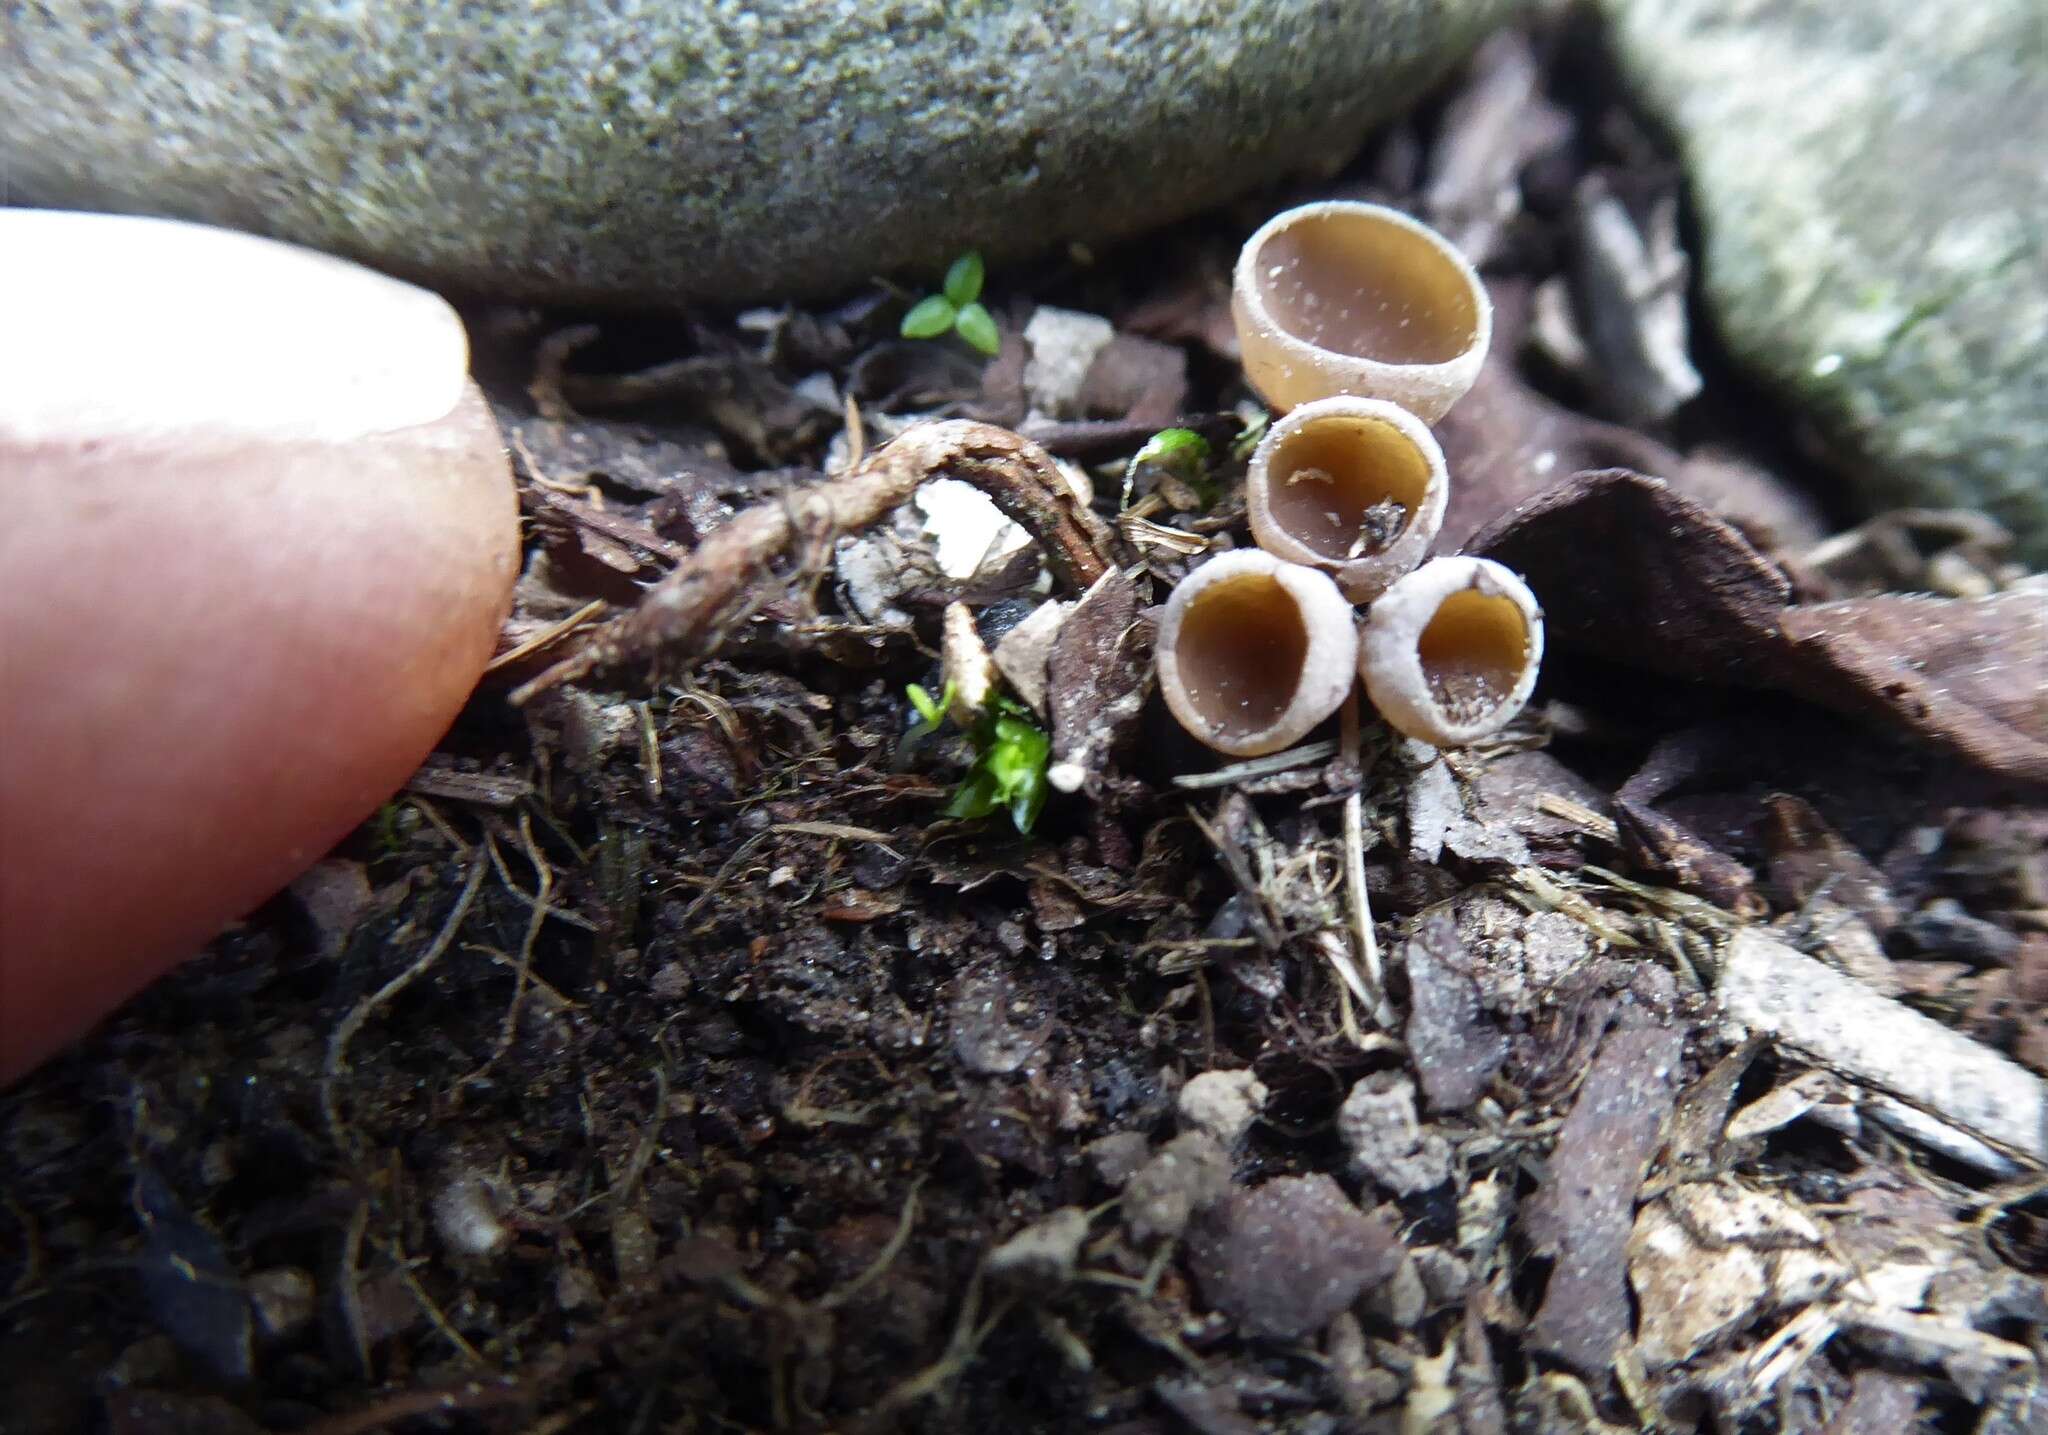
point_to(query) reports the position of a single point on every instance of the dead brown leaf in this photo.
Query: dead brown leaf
(1631, 570)
(1097, 676)
(1584, 1211)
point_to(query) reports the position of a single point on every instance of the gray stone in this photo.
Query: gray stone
(1222, 1103)
(1378, 1126)
(1285, 1257)
(1190, 1174)
(712, 149)
(1874, 200)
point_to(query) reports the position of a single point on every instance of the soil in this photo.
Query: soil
(664, 1059)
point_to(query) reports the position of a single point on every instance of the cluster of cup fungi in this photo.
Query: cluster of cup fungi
(1362, 327)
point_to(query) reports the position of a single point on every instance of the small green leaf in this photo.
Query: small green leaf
(1027, 801)
(1182, 450)
(1242, 446)
(977, 796)
(963, 280)
(1019, 745)
(978, 329)
(929, 708)
(929, 318)
(385, 830)
(1010, 755)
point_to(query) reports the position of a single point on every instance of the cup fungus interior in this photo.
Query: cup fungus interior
(1346, 486)
(1241, 648)
(1473, 653)
(1362, 285)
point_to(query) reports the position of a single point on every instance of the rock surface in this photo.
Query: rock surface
(701, 150)
(1874, 202)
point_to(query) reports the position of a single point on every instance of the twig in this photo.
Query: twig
(546, 637)
(431, 1309)
(1307, 755)
(1354, 881)
(1831, 1018)
(609, 526)
(844, 831)
(856, 433)
(684, 615)
(650, 752)
(549, 362)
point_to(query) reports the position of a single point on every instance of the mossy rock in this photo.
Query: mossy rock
(1872, 185)
(709, 150)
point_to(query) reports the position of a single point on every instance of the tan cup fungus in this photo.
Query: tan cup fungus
(1355, 487)
(1346, 298)
(260, 535)
(1254, 652)
(1451, 650)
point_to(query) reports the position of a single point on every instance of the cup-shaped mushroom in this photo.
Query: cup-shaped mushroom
(1355, 487)
(1254, 652)
(1451, 650)
(1348, 298)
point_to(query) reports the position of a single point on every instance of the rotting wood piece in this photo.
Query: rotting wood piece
(1804, 1004)
(686, 613)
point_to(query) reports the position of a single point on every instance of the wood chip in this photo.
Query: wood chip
(1845, 1026)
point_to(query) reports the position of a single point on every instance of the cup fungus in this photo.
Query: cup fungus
(260, 536)
(1451, 650)
(1348, 298)
(1254, 652)
(1355, 487)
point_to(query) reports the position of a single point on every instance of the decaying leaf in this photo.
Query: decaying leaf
(1438, 817)
(1096, 679)
(1808, 859)
(1704, 1259)
(1966, 673)
(1508, 444)
(1582, 1214)
(1497, 122)
(1023, 652)
(1631, 570)
(1668, 850)
(1456, 1050)
(1617, 318)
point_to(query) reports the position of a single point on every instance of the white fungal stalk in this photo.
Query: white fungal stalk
(1451, 651)
(1254, 652)
(1355, 487)
(1347, 298)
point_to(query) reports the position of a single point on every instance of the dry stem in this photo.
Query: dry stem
(684, 615)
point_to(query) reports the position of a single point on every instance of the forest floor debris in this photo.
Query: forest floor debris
(665, 1059)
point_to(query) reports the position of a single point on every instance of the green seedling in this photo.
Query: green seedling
(1010, 756)
(931, 711)
(1182, 453)
(387, 829)
(956, 309)
(1241, 447)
